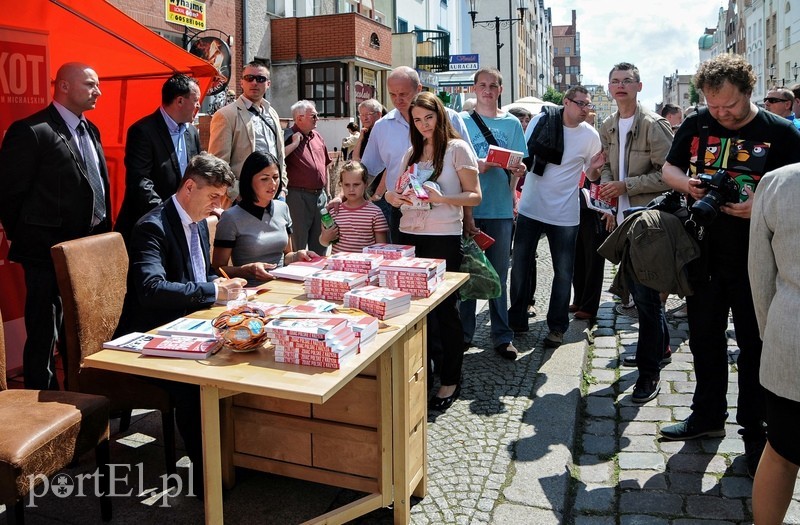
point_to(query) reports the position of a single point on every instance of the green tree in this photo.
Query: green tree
(551, 95)
(694, 96)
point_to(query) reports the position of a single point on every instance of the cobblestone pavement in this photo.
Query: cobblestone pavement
(555, 438)
(550, 438)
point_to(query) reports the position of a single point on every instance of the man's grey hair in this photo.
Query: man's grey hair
(407, 73)
(372, 105)
(301, 106)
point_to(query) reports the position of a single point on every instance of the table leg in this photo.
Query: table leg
(409, 415)
(212, 458)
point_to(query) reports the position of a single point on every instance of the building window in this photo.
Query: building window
(566, 50)
(402, 25)
(420, 36)
(555, 50)
(323, 84)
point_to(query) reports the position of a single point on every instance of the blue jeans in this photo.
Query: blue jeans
(562, 240)
(653, 331)
(497, 253)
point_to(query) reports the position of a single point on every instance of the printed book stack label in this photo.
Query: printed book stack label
(381, 302)
(415, 275)
(324, 342)
(355, 262)
(331, 285)
(391, 251)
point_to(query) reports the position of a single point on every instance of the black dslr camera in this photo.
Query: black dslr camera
(722, 189)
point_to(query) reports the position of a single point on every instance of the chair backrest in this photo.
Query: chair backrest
(212, 221)
(92, 278)
(3, 385)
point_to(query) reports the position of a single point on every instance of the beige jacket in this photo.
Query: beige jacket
(774, 271)
(233, 138)
(648, 143)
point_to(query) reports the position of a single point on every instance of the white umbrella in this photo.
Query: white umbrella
(532, 104)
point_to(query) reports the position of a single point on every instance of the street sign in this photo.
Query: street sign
(189, 13)
(469, 62)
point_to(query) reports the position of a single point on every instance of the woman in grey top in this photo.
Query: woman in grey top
(253, 236)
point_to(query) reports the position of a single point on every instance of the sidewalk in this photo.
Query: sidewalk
(547, 439)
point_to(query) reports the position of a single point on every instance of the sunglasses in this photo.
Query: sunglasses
(258, 78)
(773, 100)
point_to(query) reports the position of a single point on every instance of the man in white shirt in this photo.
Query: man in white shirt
(549, 204)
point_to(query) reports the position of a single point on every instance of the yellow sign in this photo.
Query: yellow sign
(189, 13)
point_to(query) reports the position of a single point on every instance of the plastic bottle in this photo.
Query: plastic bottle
(327, 220)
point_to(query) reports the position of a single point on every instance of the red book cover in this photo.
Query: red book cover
(594, 194)
(180, 346)
(507, 158)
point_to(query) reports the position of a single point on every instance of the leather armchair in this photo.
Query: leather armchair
(43, 432)
(92, 278)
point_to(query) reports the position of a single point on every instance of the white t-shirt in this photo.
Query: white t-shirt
(552, 198)
(623, 201)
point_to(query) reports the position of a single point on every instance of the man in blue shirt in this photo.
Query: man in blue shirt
(495, 214)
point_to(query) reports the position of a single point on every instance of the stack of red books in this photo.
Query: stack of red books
(365, 327)
(391, 251)
(418, 276)
(355, 262)
(331, 285)
(327, 342)
(383, 303)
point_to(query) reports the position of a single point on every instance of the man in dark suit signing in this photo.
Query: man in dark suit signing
(169, 276)
(157, 149)
(55, 188)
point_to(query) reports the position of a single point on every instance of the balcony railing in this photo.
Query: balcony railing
(433, 50)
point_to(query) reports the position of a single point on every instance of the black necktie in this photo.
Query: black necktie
(93, 174)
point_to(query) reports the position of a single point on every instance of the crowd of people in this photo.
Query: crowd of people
(269, 186)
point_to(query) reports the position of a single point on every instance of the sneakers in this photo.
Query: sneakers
(630, 360)
(691, 429)
(554, 339)
(753, 448)
(646, 389)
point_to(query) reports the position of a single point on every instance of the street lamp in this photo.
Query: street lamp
(580, 76)
(558, 79)
(771, 73)
(795, 70)
(496, 24)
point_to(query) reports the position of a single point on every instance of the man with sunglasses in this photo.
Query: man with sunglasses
(561, 145)
(781, 102)
(636, 142)
(249, 124)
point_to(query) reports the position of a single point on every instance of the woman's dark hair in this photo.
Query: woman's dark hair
(253, 164)
(442, 134)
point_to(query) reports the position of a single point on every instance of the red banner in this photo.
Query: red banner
(24, 89)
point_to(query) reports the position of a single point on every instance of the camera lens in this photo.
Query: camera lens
(705, 210)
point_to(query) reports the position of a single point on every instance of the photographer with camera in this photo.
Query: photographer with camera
(726, 147)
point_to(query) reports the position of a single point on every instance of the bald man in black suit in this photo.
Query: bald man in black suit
(55, 189)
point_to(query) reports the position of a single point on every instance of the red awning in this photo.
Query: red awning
(131, 61)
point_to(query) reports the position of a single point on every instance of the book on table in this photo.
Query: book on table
(132, 342)
(298, 271)
(181, 346)
(187, 326)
